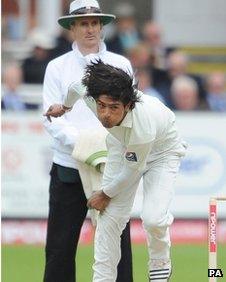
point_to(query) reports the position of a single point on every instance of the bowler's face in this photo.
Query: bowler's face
(87, 31)
(110, 112)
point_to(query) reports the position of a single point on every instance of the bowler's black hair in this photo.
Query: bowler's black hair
(104, 79)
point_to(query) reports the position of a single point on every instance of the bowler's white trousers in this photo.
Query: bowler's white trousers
(158, 180)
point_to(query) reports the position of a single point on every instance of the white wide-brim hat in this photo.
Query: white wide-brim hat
(84, 8)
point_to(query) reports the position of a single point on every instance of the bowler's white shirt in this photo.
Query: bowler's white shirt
(147, 133)
(60, 73)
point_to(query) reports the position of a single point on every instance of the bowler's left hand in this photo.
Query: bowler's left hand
(99, 201)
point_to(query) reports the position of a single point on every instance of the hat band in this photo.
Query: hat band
(86, 10)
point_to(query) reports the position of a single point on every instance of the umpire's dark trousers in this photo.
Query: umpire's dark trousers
(67, 212)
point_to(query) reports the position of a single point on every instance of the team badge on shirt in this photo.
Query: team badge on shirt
(131, 156)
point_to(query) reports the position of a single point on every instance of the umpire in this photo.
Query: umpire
(67, 202)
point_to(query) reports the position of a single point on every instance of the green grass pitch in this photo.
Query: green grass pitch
(190, 263)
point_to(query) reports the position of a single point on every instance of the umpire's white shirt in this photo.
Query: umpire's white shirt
(60, 73)
(147, 133)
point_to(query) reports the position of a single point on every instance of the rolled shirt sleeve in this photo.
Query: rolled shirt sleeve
(75, 91)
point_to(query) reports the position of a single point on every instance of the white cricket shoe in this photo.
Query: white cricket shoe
(160, 270)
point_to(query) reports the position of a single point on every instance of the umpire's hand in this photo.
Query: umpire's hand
(99, 201)
(56, 110)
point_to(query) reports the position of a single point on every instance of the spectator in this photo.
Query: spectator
(34, 66)
(63, 44)
(12, 78)
(145, 83)
(177, 64)
(140, 56)
(216, 93)
(126, 35)
(152, 35)
(184, 91)
(12, 90)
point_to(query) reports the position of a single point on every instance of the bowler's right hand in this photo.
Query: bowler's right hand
(56, 110)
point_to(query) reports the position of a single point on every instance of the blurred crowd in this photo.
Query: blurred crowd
(160, 70)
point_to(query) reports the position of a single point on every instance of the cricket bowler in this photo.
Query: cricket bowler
(143, 142)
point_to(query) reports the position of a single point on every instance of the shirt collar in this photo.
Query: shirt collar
(127, 121)
(102, 48)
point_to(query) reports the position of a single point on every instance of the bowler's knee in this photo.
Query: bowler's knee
(153, 220)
